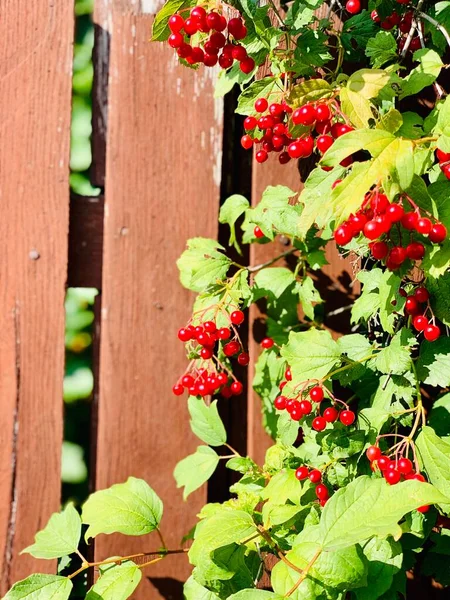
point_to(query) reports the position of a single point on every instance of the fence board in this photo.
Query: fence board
(162, 186)
(35, 49)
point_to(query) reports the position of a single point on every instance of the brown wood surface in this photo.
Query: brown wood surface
(35, 89)
(162, 186)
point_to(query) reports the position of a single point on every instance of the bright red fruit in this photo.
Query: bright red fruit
(315, 476)
(237, 388)
(398, 255)
(424, 509)
(316, 394)
(296, 414)
(246, 142)
(306, 407)
(415, 251)
(438, 233)
(432, 333)
(441, 156)
(267, 343)
(178, 389)
(323, 113)
(424, 226)
(343, 234)
(243, 359)
(176, 23)
(373, 453)
(392, 476)
(319, 424)
(295, 150)
(405, 466)
(322, 492)
(206, 353)
(324, 142)
(237, 317)
(301, 473)
(247, 65)
(280, 402)
(353, 7)
(250, 123)
(258, 232)
(223, 333)
(261, 104)
(184, 335)
(395, 212)
(231, 348)
(175, 40)
(411, 306)
(422, 294)
(373, 230)
(420, 323)
(379, 203)
(409, 220)
(383, 462)
(330, 414)
(305, 115)
(261, 156)
(347, 417)
(379, 250)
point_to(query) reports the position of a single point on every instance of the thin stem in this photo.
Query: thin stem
(151, 562)
(270, 262)
(304, 573)
(277, 12)
(352, 364)
(435, 23)
(83, 560)
(411, 31)
(235, 452)
(161, 537)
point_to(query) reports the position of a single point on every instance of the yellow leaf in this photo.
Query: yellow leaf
(368, 82)
(356, 107)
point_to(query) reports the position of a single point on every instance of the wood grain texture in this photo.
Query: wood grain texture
(162, 186)
(35, 49)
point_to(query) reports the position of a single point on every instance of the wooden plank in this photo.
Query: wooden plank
(162, 186)
(35, 96)
(85, 241)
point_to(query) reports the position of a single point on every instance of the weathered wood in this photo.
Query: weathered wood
(35, 88)
(162, 186)
(85, 241)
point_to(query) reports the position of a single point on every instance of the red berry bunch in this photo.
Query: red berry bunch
(218, 39)
(378, 217)
(389, 22)
(414, 308)
(206, 374)
(394, 471)
(300, 407)
(444, 162)
(404, 23)
(315, 476)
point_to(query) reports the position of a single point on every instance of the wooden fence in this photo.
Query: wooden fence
(165, 153)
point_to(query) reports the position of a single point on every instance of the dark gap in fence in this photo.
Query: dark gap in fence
(236, 179)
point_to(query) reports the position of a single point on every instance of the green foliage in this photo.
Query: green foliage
(194, 470)
(61, 535)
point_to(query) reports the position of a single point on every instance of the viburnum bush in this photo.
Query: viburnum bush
(355, 491)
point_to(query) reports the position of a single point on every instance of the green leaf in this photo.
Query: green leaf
(439, 416)
(440, 297)
(382, 49)
(356, 107)
(205, 422)
(160, 28)
(368, 82)
(391, 121)
(230, 211)
(274, 213)
(274, 280)
(287, 429)
(269, 370)
(311, 52)
(192, 590)
(309, 91)
(59, 537)
(423, 75)
(412, 127)
(254, 595)
(268, 87)
(301, 13)
(390, 300)
(194, 470)
(131, 508)
(396, 358)
(385, 559)
(117, 582)
(365, 306)
(283, 486)
(308, 296)
(311, 354)
(40, 587)
(374, 141)
(202, 264)
(341, 443)
(371, 507)
(433, 366)
(435, 455)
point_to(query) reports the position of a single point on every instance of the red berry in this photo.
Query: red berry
(446, 170)
(198, 13)
(210, 60)
(353, 6)
(231, 348)
(373, 230)
(178, 389)
(222, 378)
(225, 61)
(280, 402)
(239, 53)
(288, 374)
(306, 407)
(284, 158)
(392, 476)
(184, 335)
(247, 65)
(442, 156)
(296, 414)
(347, 417)
(383, 462)
(237, 317)
(187, 381)
(422, 295)
(197, 55)
(191, 26)
(267, 343)
(213, 20)
(305, 115)
(395, 212)
(323, 113)
(246, 142)
(420, 323)
(301, 473)
(282, 384)
(235, 28)
(322, 492)
(204, 339)
(432, 333)
(250, 123)
(409, 220)
(323, 143)
(175, 40)
(343, 234)
(379, 203)
(405, 466)
(319, 424)
(411, 306)
(373, 453)
(438, 233)
(296, 150)
(330, 414)
(419, 477)
(206, 353)
(176, 23)
(424, 226)
(261, 156)
(261, 105)
(258, 232)
(226, 392)
(322, 127)
(243, 359)
(316, 394)
(276, 110)
(398, 255)
(223, 333)
(424, 509)
(236, 388)
(315, 476)
(340, 129)
(184, 50)
(379, 250)
(357, 222)
(415, 251)
(374, 16)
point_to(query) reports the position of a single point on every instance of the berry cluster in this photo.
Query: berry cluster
(206, 374)
(218, 44)
(300, 406)
(315, 476)
(414, 308)
(272, 125)
(394, 471)
(444, 162)
(404, 23)
(389, 224)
